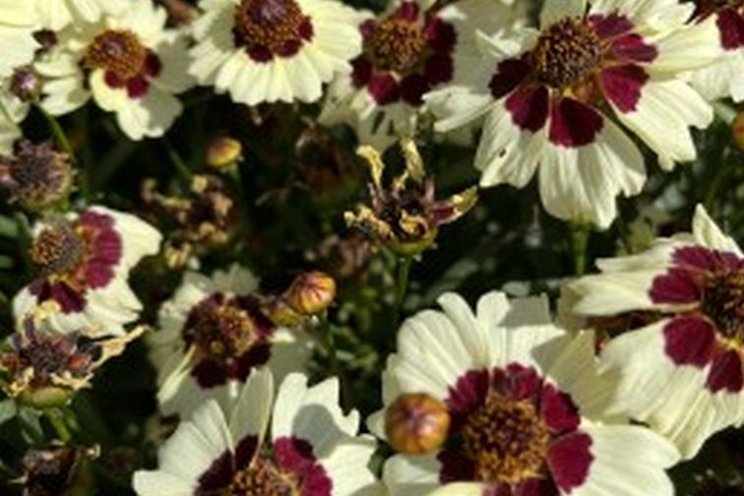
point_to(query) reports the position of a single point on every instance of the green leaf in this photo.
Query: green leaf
(8, 410)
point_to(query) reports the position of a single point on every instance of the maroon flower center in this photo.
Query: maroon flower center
(221, 328)
(723, 302)
(59, 250)
(119, 52)
(269, 28)
(567, 53)
(506, 439)
(263, 478)
(396, 44)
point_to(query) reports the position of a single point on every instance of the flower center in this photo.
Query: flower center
(396, 45)
(268, 28)
(118, 52)
(263, 478)
(507, 440)
(59, 249)
(723, 302)
(567, 52)
(221, 328)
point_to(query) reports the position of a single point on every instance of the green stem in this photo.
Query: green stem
(56, 418)
(175, 157)
(401, 286)
(579, 241)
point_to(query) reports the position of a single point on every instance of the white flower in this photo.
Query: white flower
(408, 51)
(83, 263)
(726, 76)
(273, 50)
(681, 364)
(554, 98)
(18, 23)
(57, 14)
(213, 335)
(526, 408)
(130, 64)
(313, 448)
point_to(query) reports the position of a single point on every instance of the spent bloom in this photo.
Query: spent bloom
(525, 404)
(130, 64)
(44, 368)
(54, 471)
(83, 261)
(312, 448)
(405, 216)
(213, 335)
(409, 50)
(681, 364)
(273, 50)
(37, 176)
(556, 99)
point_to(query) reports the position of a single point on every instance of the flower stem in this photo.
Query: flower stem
(183, 170)
(579, 241)
(401, 285)
(56, 418)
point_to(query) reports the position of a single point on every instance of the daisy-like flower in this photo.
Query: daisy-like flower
(554, 97)
(129, 63)
(83, 261)
(525, 403)
(313, 448)
(408, 51)
(681, 363)
(44, 368)
(57, 14)
(213, 335)
(273, 50)
(726, 76)
(16, 35)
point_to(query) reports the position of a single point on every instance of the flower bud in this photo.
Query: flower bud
(416, 424)
(37, 176)
(25, 84)
(280, 313)
(223, 152)
(311, 293)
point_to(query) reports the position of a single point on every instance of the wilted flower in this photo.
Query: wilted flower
(83, 261)
(53, 471)
(416, 423)
(526, 408)
(406, 216)
(342, 257)
(202, 218)
(312, 448)
(213, 335)
(37, 176)
(44, 368)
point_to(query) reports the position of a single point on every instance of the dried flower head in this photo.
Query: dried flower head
(324, 167)
(44, 369)
(342, 257)
(37, 175)
(405, 216)
(416, 423)
(201, 218)
(53, 471)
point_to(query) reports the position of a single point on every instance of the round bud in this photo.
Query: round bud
(223, 152)
(311, 293)
(416, 424)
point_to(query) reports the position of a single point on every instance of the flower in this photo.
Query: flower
(129, 63)
(406, 216)
(44, 368)
(273, 50)
(725, 77)
(213, 335)
(37, 176)
(408, 51)
(525, 402)
(313, 447)
(16, 35)
(57, 14)
(546, 97)
(681, 364)
(83, 261)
